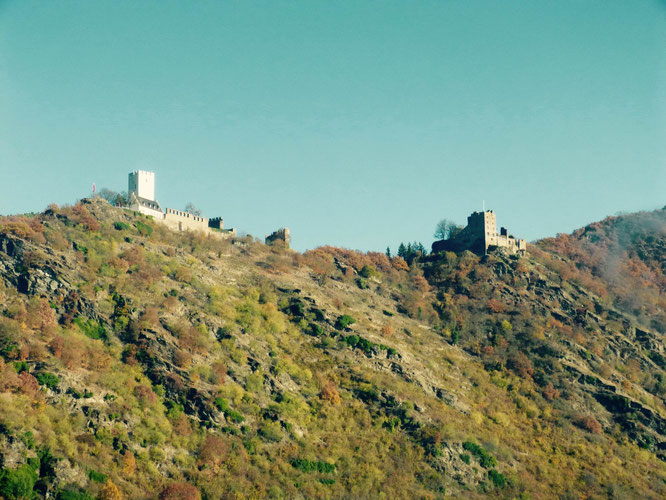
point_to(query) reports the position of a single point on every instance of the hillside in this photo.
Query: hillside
(137, 362)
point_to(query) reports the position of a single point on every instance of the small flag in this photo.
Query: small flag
(93, 187)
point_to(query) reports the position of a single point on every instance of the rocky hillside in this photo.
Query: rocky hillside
(136, 362)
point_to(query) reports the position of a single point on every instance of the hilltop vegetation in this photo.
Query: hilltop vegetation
(136, 362)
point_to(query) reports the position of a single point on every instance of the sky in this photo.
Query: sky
(354, 123)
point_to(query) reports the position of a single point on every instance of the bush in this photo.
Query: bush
(121, 226)
(47, 379)
(234, 416)
(368, 272)
(98, 477)
(91, 328)
(144, 229)
(221, 404)
(485, 460)
(9, 335)
(497, 478)
(18, 483)
(344, 321)
(588, 423)
(73, 494)
(271, 432)
(179, 491)
(313, 466)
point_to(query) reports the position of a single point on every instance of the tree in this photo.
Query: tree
(190, 208)
(108, 194)
(121, 198)
(411, 252)
(446, 229)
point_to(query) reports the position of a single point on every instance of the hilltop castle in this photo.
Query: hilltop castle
(480, 236)
(141, 194)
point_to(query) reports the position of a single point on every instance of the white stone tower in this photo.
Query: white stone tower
(142, 184)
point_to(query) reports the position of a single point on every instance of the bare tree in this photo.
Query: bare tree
(446, 229)
(190, 208)
(108, 194)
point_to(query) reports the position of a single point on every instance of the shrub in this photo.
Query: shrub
(179, 491)
(72, 493)
(121, 226)
(18, 483)
(485, 460)
(368, 271)
(234, 416)
(497, 478)
(47, 379)
(91, 328)
(344, 321)
(144, 229)
(588, 423)
(9, 335)
(271, 431)
(98, 477)
(352, 340)
(313, 466)
(330, 393)
(221, 404)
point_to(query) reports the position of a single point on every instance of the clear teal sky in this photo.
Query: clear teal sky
(357, 124)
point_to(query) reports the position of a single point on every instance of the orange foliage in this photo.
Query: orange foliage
(81, 215)
(521, 364)
(179, 491)
(214, 451)
(550, 392)
(589, 423)
(387, 330)
(145, 395)
(110, 491)
(128, 463)
(399, 264)
(495, 306)
(330, 393)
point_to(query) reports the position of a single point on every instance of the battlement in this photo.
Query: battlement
(216, 223)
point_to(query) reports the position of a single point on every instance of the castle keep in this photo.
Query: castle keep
(480, 236)
(141, 190)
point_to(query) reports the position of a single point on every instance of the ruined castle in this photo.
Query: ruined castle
(481, 236)
(141, 190)
(281, 236)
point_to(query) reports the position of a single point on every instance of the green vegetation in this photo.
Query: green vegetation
(91, 328)
(96, 476)
(344, 321)
(47, 379)
(313, 466)
(497, 479)
(485, 460)
(18, 483)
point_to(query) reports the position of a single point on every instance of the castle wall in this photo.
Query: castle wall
(185, 221)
